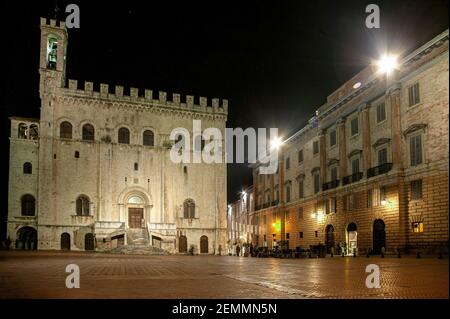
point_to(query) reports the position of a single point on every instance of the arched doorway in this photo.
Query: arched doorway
(135, 211)
(65, 241)
(182, 244)
(329, 238)
(379, 236)
(89, 242)
(26, 238)
(352, 239)
(203, 245)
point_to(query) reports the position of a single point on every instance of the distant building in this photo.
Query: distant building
(242, 224)
(94, 171)
(371, 168)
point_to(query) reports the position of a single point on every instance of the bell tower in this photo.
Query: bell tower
(52, 61)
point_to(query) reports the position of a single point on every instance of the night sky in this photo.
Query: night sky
(275, 61)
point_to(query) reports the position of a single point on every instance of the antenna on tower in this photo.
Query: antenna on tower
(56, 11)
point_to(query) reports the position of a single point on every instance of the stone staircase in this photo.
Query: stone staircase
(138, 243)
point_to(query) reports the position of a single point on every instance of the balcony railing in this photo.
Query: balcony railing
(275, 202)
(330, 185)
(352, 178)
(265, 205)
(378, 170)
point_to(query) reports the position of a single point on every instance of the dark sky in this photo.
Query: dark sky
(275, 61)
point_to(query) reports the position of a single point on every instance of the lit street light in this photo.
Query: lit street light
(387, 64)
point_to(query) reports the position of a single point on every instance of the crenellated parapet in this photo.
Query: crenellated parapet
(149, 97)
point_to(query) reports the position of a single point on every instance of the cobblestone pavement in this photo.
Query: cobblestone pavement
(42, 275)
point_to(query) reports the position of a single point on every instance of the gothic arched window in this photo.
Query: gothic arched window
(148, 138)
(83, 206)
(34, 132)
(52, 50)
(22, 131)
(65, 130)
(28, 205)
(88, 132)
(124, 136)
(189, 208)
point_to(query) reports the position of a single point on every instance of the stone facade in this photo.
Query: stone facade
(378, 152)
(86, 183)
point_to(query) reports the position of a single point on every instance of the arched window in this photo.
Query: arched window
(83, 206)
(22, 131)
(77, 154)
(148, 138)
(189, 208)
(52, 49)
(88, 132)
(27, 168)
(65, 130)
(28, 205)
(34, 132)
(124, 136)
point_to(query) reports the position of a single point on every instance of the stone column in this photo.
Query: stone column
(367, 151)
(342, 148)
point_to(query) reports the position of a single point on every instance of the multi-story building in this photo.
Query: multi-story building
(370, 170)
(94, 171)
(242, 227)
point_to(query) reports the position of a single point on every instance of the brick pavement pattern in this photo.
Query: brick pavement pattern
(42, 275)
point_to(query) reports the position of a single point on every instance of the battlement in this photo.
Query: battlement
(159, 98)
(53, 23)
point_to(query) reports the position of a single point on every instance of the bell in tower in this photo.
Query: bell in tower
(52, 49)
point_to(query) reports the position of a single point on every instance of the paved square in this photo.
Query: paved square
(41, 274)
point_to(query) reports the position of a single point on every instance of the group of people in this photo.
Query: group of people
(245, 250)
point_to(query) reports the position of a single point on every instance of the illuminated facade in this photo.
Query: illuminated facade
(370, 170)
(94, 171)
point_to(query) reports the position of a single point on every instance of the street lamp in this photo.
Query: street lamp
(276, 143)
(387, 64)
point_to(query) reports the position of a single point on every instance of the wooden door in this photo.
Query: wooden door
(135, 216)
(182, 244)
(203, 245)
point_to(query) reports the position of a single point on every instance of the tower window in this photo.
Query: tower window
(28, 205)
(27, 168)
(189, 208)
(77, 154)
(22, 131)
(88, 132)
(124, 136)
(83, 206)
(136, 166)
(65, 130)
(148, 138)
(52, 50)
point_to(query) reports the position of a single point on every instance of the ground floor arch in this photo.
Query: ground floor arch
(329, 238)
(26, 238)
(204, 244)
(65, 241)
(352, 238)
(89, 242)
(378, 236)
(182, 244)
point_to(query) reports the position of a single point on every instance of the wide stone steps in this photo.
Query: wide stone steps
(139, 250)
